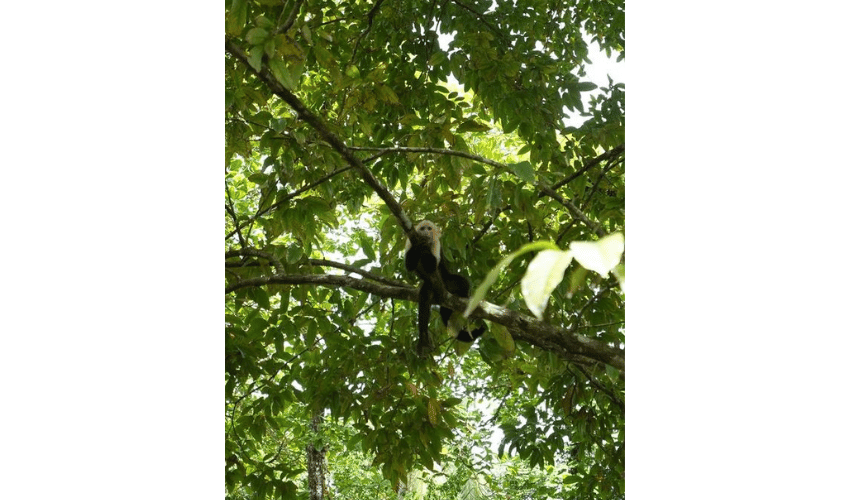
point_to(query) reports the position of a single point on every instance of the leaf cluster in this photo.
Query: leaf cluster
(458, 110)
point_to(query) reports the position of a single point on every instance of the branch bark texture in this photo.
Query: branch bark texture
(523, 327)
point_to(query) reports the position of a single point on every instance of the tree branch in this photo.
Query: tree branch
(572, 208)
(439, 151)
(544, 190)
(278, 267)
(481, 18)
(370, 19)
(571, 346)
(361, 272)
(590, 164)
(283, 28)
(336, 143)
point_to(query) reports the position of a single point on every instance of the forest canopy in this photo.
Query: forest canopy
(346, 123)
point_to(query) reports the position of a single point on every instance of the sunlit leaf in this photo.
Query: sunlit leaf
(503, 337)
(600, 256)
(544, 273)
(524, 171)
(493, 275)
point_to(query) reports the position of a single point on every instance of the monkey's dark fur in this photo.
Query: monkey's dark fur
(424, 256)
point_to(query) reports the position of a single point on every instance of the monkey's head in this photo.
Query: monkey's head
(431, 234)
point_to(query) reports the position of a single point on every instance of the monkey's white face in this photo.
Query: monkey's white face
(428, 229)
(432, 233)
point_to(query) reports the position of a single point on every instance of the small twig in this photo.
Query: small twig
(600, 325)
(370, 18)
(283, 28)
(481, 18)
(544, 190)
(572, 208)
(356, 270)
(590, 164)
(287, 198)
(278, 267)
(599, 386)
(439, 151)
(232, 212)
(611, 164)
(489, 223)
(587, 304)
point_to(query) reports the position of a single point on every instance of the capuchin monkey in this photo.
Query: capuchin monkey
(425, 257)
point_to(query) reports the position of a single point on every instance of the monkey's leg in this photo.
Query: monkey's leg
(458, 285)
(424, 346)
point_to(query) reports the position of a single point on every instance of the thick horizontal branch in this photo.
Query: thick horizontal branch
(331, 280)
(572, 346)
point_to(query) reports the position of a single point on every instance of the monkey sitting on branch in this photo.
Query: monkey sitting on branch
(425, 257)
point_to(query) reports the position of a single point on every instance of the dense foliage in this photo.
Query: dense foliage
(344, 123)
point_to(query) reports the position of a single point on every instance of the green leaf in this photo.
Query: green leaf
(503, 338)
(613, 373)
(586, 86)
(308, 35)
(261, 298)
(494, 194)
(352, 72)
(236, 17)
(386, 94)
(293, 253)
(366, 246)
(256, 36)
(263, 22)
(473, 126)
(281, 73)
(456, 323)
(576, 280)
(619, 272)
(255, 58)
(323, 57)
(524, 171)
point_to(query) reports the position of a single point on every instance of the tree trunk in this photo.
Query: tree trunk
(316, 465)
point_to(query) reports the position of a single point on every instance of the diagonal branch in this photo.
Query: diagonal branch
(318, 124)
(283, 28)
(590, 164)
(572, 208)
(481, 18)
